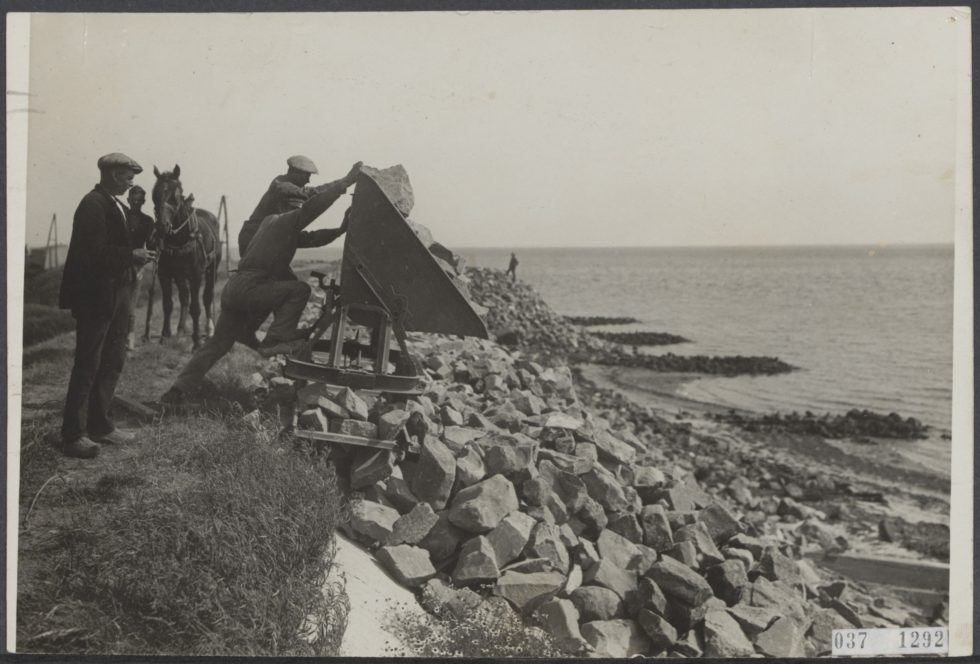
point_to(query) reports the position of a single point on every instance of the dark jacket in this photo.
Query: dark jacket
(100, 256)
(140, 228)
(275, 201)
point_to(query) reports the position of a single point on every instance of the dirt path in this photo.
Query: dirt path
(150, 370)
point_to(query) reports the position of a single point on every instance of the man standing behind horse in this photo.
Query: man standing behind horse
(290, 186)
(264, 284)
(140, 227)
(96, 286)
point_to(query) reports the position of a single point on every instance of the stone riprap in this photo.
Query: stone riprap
(619, 531)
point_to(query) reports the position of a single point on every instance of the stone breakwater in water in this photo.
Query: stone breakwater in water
(518, 317)
(853, 423)
(615, 530)
(641, 338)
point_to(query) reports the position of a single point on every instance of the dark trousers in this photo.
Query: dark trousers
(232, 326)
(100, 353)
(260, 294)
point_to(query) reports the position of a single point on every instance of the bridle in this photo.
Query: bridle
(190, 217)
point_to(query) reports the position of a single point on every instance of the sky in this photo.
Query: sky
(524, 129)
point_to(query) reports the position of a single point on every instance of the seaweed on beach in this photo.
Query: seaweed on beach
(853, 423)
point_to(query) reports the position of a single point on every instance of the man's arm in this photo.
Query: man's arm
(323, 199)
(318, 238)
(323, 237)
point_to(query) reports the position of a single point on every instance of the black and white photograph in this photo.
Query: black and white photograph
(536, 333)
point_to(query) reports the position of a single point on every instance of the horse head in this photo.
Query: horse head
(170, 206)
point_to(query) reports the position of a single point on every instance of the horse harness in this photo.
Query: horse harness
(196, 238)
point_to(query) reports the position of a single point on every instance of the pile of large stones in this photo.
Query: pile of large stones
(520, 492)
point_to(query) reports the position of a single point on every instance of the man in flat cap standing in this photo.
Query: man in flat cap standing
(293, 185)
(100, 271)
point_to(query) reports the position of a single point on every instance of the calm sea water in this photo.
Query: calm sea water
(869, 327)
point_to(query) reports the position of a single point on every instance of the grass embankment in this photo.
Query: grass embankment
(206, 537)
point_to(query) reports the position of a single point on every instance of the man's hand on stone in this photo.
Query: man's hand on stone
(143, 256)
(351, 177)
(346, 222)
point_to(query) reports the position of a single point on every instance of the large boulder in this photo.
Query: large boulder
(605, 489)
(479, 508)
(394, 183)
(412, 528)
(618, 550)
(648, 595)
(408, 564)
(399, 494)
(568, 486)
(723, 638)
(371, 467)
(560, 618)
(754, 620)
(613, 449)
(476, 563)
(538, 493)
(373, 520)
(597, 603)
(720, 523)
(776, 596)
(608, 575)
(528, 591)
(616, 638)
(509, 538)
(435, 474)
(390, 423)
(470, 468)
(728, 580)
(661, 633)
(680, 581)
(354, 405)
(442, 540)
(657, 532)
(546, 543)
(783, 639)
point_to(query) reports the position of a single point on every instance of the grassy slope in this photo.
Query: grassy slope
(205, 537)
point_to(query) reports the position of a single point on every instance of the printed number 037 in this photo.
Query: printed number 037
(852, 640)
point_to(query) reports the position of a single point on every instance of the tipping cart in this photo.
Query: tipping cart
(389, 284)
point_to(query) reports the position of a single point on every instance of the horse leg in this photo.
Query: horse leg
(183, 295)
(195, 283)
(167, 301)
(209, 277)
(149, 302)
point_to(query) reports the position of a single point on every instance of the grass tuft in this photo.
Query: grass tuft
(220, 546)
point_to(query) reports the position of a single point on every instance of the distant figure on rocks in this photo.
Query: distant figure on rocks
(264, 284)
(283, 188)
(512, 268)
(100, 271)
(140, 231)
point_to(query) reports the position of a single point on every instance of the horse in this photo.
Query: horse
(189, 254)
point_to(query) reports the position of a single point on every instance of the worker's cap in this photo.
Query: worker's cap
(113, 160)
(136, 189)
(301, 163)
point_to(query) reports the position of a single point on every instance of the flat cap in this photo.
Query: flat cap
(118, 160)
(301, 163)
